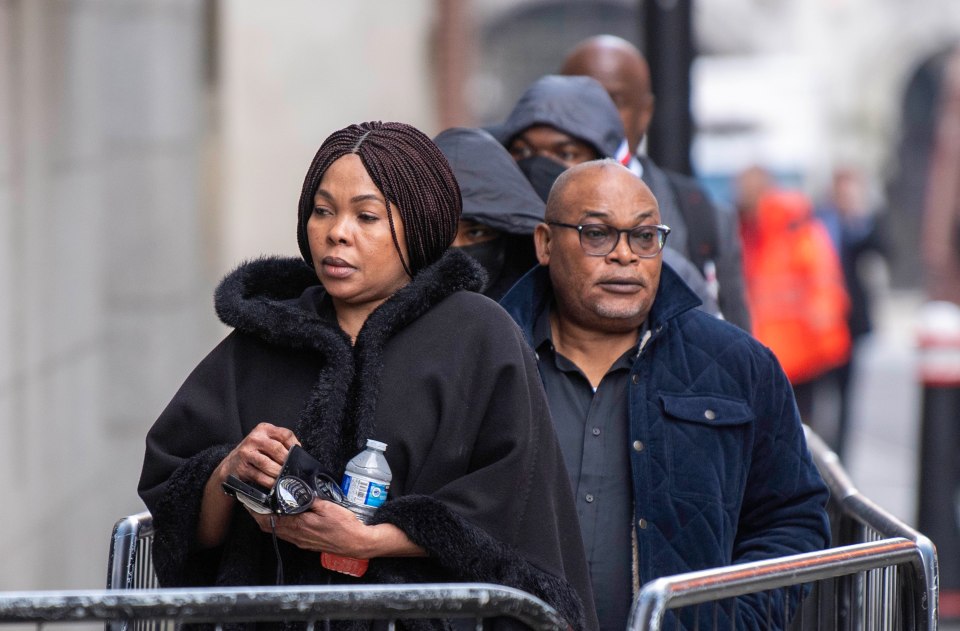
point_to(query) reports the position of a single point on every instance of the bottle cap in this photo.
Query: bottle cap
(376, 444)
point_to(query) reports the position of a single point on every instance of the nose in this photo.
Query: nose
(621, 252)
(340, 229)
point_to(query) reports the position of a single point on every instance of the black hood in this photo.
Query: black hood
(495, 191)
(577, 106)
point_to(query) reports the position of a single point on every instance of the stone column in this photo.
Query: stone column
(106, 302)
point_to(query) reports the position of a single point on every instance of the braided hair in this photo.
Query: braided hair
(411, 173)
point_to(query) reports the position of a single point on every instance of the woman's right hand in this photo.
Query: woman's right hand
(259, 456)
(257, 460)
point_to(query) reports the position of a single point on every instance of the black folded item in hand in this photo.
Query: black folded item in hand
(301, 479)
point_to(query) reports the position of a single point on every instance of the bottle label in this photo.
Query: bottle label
(364, 491)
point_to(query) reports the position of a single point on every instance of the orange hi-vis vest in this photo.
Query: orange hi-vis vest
(795, 287)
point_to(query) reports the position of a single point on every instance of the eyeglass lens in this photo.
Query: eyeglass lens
(328, 489)
(293, 495)
(601, 239)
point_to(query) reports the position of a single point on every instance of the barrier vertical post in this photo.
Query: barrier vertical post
(939, 471)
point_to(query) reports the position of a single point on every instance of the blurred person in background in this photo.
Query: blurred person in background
(563, 121)
(939, 340)
(857, 236)
(712, 232)
(940, 232)
(500, 208)
(795, 289)
(678, 430)
(375, 333)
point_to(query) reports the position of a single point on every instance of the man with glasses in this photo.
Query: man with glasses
(679, 431)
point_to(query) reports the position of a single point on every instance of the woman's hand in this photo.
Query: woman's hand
(329, 527)
(325, 527)
(259, 456)
(258, 460)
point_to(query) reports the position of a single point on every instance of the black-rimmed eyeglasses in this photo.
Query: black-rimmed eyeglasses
(294, 496)
(599, 239)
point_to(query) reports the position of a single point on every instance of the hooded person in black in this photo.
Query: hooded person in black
(500, 208)
(562, 121)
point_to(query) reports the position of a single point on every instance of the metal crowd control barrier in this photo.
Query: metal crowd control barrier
(157, 608)
(854, 518)
(134, 600)
(882, 574)
(131, 564)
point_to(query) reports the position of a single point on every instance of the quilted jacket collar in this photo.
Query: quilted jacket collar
(533, 293)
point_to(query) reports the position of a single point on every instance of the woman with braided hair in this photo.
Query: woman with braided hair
(375, 334)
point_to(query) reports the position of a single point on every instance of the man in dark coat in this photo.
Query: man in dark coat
(858, 234)
(500, 208)
(679, 431)
(711, 240)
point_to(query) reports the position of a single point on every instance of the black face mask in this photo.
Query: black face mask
(490, 255)
(542, 173)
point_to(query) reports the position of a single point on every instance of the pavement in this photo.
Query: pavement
(883, 454)
(884, 435)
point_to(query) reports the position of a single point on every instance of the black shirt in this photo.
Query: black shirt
(593, 429)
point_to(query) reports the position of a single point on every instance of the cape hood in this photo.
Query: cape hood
(495, 191)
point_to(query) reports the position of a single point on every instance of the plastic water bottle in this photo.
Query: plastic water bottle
(366, 481)
(366, 484)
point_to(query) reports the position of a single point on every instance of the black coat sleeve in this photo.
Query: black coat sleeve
(732, 296)
(191, 437)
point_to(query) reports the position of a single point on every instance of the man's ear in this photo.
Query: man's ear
(541, 240)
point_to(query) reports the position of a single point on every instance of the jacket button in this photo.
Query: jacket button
(636, 379)
(642, 523)
(638, 445)
(596, 431)
(588, 497)
(710, 415)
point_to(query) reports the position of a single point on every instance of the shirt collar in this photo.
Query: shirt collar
(543, 335)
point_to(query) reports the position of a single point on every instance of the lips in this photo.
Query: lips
(335, 267)
(621, 285)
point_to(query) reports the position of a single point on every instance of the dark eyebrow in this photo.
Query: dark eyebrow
(369, 197)
(594, 214)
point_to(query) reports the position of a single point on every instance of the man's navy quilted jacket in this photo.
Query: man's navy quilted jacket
(721, 471)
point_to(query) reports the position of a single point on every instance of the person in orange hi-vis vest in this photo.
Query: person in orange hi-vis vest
(794, 284)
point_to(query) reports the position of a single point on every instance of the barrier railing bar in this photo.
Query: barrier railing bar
(708, 585)
(746, 578)
(860, 508)
(124, 545)
(279, 603)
